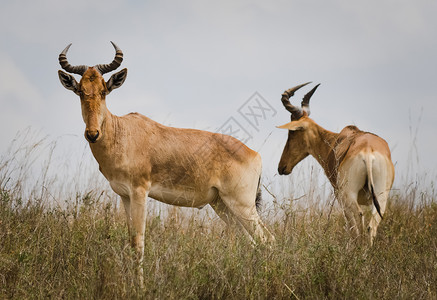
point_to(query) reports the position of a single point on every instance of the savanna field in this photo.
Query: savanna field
(63, 240)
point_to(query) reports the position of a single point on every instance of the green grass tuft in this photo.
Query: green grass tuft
(78, 248)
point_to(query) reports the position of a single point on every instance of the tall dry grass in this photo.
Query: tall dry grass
(56, 243)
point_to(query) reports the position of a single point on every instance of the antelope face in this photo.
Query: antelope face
(299, 130)
(296, 148)
(92, 90)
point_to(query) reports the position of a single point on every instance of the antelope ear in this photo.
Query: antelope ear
(293, 126)
(68, 81)
(116, 80)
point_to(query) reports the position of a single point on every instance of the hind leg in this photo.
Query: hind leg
(224, 213)
(375, 218)
(352, 213)
(383, 175)
(351, 179)
(371, 218)
(228, 217)
(246, 214)
(365, 201)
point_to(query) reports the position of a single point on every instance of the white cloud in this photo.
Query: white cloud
(14, 84)
(20, 100)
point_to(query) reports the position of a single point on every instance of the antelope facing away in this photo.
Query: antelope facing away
(357, 163)
(184, 167)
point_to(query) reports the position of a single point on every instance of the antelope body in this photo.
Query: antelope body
(185, 167)
(357, 163)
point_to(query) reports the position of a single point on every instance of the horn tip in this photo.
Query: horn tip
(66, 49)
(302, 85)
(115, 46)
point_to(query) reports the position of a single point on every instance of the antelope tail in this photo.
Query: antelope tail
(258, 196)
(368, 161)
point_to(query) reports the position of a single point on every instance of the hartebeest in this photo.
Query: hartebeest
(185, 167)
(357, 163)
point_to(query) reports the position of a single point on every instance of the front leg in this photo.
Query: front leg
(138, 216)
(126, 204)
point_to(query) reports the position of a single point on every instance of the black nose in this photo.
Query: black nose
(92, 136)
(282, 170)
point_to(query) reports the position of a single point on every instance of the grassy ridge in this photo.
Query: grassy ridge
(60, 239)
(82, 252)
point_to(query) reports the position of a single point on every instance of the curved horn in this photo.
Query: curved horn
(294, 110)
(306, 100)
(67, 67)
(114, 64)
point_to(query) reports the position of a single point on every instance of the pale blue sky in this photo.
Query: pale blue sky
(194, 63)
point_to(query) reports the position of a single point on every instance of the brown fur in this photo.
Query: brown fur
(338, 154)
(185, 167)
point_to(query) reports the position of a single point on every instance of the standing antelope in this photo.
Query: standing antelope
(357, 163)
(185, 167)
